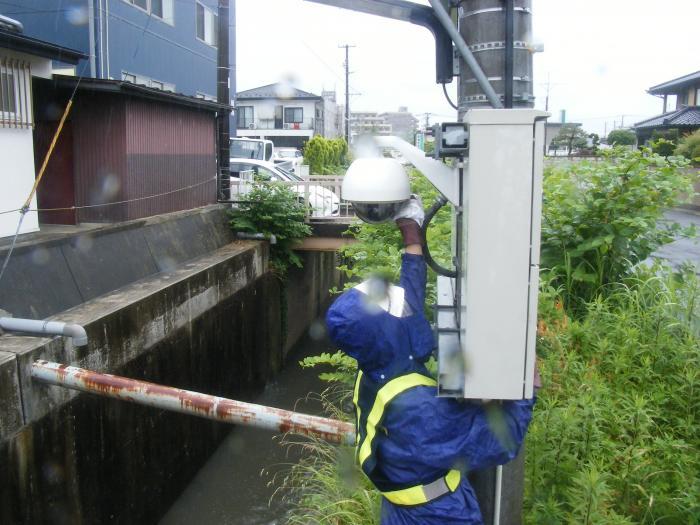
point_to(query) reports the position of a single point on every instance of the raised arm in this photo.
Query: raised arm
(413, 270)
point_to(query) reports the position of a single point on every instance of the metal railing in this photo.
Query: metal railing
(320, 193)
(269, 123)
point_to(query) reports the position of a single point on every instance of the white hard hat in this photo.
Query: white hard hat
(390, 298)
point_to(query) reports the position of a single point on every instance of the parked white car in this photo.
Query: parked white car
(288, 155)
(322, 202)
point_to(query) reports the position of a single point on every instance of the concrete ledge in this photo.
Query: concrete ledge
(52, 273)
(11, 415)
(126, 323)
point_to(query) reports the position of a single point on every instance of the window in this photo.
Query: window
(147, 81)
(8, 101)
(15, 94)
(162, 9)
(294, 115)
(245, 116)
(697, 97)
(207, 25)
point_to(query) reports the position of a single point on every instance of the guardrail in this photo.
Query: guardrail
(320, 193)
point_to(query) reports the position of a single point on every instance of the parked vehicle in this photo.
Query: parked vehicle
(288, 155)
(321, 201)
(259, 149)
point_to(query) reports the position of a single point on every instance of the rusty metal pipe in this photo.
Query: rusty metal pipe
(194, 403)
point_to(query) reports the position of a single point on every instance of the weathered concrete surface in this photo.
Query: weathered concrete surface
(124, 324)
(47, 275)
(307, 298)
(11, 415)
(212, 325)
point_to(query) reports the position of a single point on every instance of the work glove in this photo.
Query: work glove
(409, 219)
(411, 209)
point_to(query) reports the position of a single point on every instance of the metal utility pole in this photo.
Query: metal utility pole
(223, 96)
(499, 38)
(347, 90)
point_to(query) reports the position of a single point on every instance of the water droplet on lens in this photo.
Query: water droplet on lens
(77, 15)
(41, 256)
(317, 330)
(84, 243)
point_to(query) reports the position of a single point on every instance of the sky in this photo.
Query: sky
(600, 56)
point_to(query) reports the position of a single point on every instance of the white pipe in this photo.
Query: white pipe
(91, 37)
(463, 49)
(38, 327)
(497, 496)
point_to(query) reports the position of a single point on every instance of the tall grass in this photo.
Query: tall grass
(615, 436)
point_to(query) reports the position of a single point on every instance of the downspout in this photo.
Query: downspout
(91, 36)
(45, 328)
(109, 73)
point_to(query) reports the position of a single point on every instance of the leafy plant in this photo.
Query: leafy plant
(622, 137)
(274, 209)
(689, 147)
(325, 156)
(615, 426)
(601, 219)
(663, 147)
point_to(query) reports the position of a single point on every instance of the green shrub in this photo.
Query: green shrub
(602, 218)
(622, 137)
(663, 147)
(325, 156)
(689, 147)
(615, 434)
(274, 209)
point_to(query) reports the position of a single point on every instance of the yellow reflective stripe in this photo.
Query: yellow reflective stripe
(384, 396)
(416, 495)
(406, 497)
(355, 397)
(452, 479)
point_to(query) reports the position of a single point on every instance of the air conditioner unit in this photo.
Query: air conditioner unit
(287, 125)
(251, 126)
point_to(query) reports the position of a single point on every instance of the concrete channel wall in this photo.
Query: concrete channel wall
(210, 324)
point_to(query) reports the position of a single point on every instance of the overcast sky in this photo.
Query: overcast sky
(601, 55)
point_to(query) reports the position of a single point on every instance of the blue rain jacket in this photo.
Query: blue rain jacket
(425, 435)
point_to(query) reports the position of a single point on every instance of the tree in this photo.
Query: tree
(622, 137)
(571, 136)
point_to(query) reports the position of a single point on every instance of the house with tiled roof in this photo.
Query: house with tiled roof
(286, 115)
(681, 108)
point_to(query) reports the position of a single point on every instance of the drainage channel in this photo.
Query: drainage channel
(229, 489)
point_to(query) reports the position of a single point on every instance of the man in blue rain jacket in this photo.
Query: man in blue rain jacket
(416, 448)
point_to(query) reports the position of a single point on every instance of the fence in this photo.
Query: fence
(320, 193)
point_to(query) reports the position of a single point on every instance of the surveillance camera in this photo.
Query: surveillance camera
(377, 187)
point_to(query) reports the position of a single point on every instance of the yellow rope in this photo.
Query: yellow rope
(48, 154)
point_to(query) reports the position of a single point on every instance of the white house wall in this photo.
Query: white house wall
(265, 109)
(17, 152)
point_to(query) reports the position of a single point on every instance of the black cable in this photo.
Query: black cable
(449, 101)
(440, 270)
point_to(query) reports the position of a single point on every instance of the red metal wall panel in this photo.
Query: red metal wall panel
(169, 149)
(57, 188)
(99, 138)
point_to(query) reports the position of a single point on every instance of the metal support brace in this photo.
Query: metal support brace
(193, 403)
